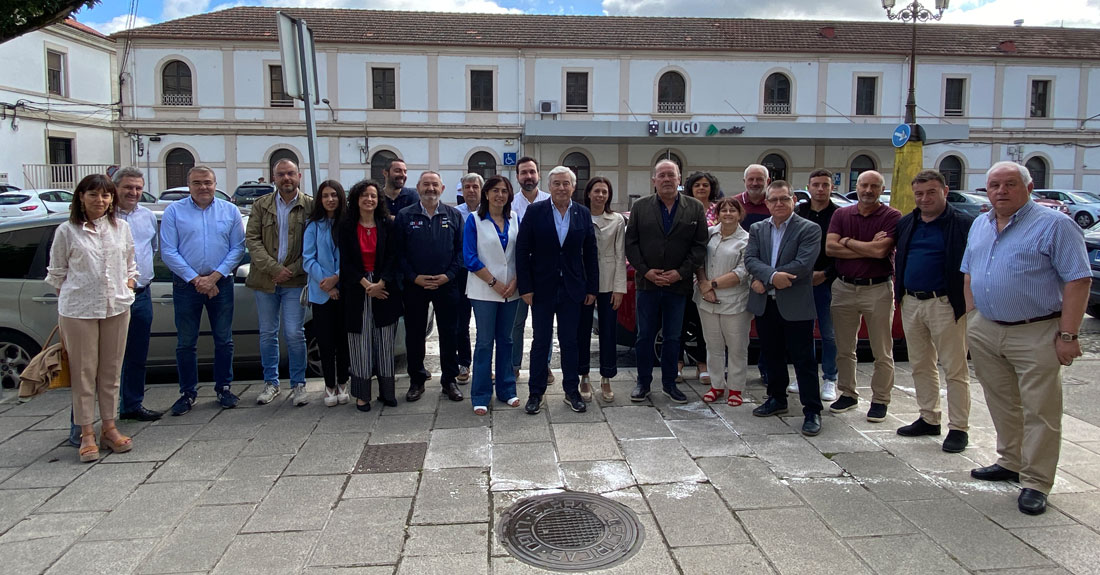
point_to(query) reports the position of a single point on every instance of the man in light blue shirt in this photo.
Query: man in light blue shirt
(471, 198)
(527, 174)
(202, 242)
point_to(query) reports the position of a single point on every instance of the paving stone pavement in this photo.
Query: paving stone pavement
(272, 489)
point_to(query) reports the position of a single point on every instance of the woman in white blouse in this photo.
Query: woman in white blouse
(611, 246)
(92, 266)
(721, 294)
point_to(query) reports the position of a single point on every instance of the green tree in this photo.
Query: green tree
(17, 17)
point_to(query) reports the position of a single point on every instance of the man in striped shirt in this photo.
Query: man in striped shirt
(1026, 287)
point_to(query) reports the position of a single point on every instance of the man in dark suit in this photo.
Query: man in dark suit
(557, 271)
(666, 241)
(780, 256)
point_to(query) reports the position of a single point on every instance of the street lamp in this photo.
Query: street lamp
(916, 12)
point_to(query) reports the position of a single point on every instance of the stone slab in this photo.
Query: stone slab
(10, 425)
(736, 559)
(660, 461)
(596, 476)
(157, 443)
(150, 511)
(1071, 546)
(889, 477)
(815, 545)
(103, 557)
(708, 438)
(297, 504)
(282, 439)
(1084, 507)
(747, 483)
(382, 485)
(466, 563)
(515, 426)
(792, 456)
(849, 509)
(681, 508)
(407, 429)
(199, 460)
(456, 414)
(524, 466)
(559, 412)
(199, 540)
(100, 489)
(463, 447)
(266, 554)
(18, 503)
(743, 422)
(452, 496)
(905, 555)
(33, 544)
(379, 528)
(446, 539)
(585, 442)
(56, 468)
(636, 423)
(24, 448)
(997, 501)
(327, 454)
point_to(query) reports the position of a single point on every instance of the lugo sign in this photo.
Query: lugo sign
(680, 127)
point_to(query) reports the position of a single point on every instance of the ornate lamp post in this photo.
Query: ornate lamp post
(915, 12)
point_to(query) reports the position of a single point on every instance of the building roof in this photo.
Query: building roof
(84, 28)
(374, 27)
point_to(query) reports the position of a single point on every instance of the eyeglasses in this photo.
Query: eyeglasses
(783, 199)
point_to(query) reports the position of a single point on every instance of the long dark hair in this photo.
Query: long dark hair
(588, 190)
(87, 184)
(483, 206)
(320, 214)
(381, 212)
(715, 191)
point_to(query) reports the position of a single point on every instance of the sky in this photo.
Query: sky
(113, 15)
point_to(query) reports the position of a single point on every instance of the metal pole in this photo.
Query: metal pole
(307, 97)
(911, 103)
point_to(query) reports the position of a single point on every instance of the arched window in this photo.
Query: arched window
(580, 165)
(952, 169)
(378, 165)
(1037, 167)
(777, 94)
(860, 164)
(176, 164)
(671, 94)
(278, 156)
(776, 165)
(483, 164)
(176, 84)
(670, 155)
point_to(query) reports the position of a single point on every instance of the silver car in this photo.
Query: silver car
(28, 307)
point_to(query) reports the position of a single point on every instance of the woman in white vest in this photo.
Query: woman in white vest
(488, 248)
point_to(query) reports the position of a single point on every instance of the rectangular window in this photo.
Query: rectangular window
(1040, 98)
(384, 88)
(55, 73)
(865, 95)
(576, 91)
(953, 95)
(481, 90)
(279, 99)
(61, 162)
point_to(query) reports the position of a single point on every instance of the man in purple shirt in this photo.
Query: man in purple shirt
(861, 239)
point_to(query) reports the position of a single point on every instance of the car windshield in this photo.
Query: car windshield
(1082, 198)
(173, 196)
(13, 199)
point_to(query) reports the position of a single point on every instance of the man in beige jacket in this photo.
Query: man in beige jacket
(274, 240)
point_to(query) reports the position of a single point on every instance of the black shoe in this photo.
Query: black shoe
(364, 407)
(534, 404)
(770, 407)
(995, 473)
(919, 427)
(141, 414)
(956, 441)
(414, 393)
(1032, 501)
(877, 413)
(843, 403)
(387, 402)
(640, 393)
(452, 392)
(575, 403)
(673, 393)
(183, 404)
(228, 400)
(812, 425)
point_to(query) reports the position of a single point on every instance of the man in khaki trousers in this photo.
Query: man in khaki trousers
(1026, 287)
(929, 288)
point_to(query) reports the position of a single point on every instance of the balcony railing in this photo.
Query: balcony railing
(778, 108)
(671, 107)
(576, 108)
(176, 100)
(63, 176)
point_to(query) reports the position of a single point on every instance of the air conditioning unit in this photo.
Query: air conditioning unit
(548, 106)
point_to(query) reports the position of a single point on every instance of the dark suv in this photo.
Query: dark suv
(249, 192)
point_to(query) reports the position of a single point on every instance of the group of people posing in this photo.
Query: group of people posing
(1010, 287)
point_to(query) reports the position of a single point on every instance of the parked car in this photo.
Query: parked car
(34, 203)
(249, 192)
(1052, 204)
(980, 196)
(969, 203)
(1083, 208)
(803, 196)
(9, 188)
(172, 194)
(1092, 244)
(147, 198)
(28, 307)
(884, 197)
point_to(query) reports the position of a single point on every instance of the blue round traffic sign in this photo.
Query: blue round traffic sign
(901, 135)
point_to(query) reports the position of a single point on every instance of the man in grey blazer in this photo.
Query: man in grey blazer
(780, 256)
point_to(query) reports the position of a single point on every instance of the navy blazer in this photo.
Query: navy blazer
(797, 251)
(540, 261)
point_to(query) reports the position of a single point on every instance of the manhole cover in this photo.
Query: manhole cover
(570, 531)
(391, 457)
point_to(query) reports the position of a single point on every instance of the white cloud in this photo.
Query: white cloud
(479, 6)
(118, 24)
(173, 9)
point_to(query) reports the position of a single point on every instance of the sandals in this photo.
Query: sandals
(342, 396)
(331, 397)
(585, 389)
(734, 399)
(713, 395)
(480, 410)
(123, 444)
(89, 453)
(514, 402)
(605, 390)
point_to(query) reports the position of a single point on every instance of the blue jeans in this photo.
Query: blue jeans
(608, 324)
(823, 297)
(494, 325)
(272, 309)
(517, 336)
(655, 308)
(132, 390)
(188, 305)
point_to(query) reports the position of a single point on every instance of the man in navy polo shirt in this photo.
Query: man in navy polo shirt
(394, 192)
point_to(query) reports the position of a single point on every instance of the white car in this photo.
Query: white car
(30, 203)
(1083, 207)
(172, 194)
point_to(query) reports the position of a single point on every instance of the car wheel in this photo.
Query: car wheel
(313, 354)
(16, 351)
(1084, 219)
(1094, 310)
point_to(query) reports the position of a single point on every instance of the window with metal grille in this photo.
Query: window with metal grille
(481, 90)
(279, 99)
(176, 84)
(176, 164)
(671, 94)
(576, 91)
(952, 169)
(384, 88)
(777, 94)
(1040, 98)
(55, 73)
(866, 86)
(954, 92)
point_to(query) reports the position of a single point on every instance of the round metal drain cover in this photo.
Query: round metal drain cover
(570, 531)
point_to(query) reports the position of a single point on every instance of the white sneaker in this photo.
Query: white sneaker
(298, 395)
(269, 393)
(828, 390)
(792, 387)
(342, 395)
(331, 398)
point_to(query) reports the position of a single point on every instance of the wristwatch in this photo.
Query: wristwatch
(493, 283)
(1067, 336)
(713, 284)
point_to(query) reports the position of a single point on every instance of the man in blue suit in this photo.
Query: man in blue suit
(558, 271)
(780, 256)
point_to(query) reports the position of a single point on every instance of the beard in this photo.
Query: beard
(529, 186)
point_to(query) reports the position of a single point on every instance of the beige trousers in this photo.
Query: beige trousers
(722, 332)
(95, 348)
(875, 304)
(1022, 380)
(932, 333)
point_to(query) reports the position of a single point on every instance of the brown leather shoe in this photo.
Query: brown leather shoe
(414, 393)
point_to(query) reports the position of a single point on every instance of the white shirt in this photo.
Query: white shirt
(520, 203)
(90, 266)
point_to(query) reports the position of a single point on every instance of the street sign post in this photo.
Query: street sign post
(509, 158)
(901, 135)
(299, 59)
